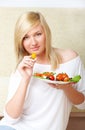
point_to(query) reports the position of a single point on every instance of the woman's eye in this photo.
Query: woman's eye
(38, 34)
(26, 37)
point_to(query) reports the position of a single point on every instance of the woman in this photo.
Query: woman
(32, 103)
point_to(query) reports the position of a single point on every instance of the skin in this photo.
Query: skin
(34, 41)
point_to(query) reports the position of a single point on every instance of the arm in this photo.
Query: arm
(76, 96)
(14, 106)
(73, 95)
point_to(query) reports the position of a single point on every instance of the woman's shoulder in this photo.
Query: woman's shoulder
(67, 54)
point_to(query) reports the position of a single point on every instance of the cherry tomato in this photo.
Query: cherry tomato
(51, 77)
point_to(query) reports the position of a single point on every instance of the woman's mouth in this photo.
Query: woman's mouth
(35, 49)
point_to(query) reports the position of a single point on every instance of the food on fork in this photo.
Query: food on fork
(33, 56)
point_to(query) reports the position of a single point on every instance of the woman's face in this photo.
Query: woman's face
(35, 41)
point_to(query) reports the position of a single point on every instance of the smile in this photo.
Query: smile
(35, 49)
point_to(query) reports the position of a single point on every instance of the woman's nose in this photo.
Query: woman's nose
(33, 40)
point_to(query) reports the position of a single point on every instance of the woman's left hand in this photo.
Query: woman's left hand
(62, 86)
(73, 95)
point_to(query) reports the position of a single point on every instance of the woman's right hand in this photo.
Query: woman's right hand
(25, 67)
(14, 106)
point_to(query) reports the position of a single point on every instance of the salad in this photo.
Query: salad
(57, 77)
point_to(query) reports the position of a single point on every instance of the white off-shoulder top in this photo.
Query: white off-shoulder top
(45, 108)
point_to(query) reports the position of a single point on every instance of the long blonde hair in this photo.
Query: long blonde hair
(24, 24)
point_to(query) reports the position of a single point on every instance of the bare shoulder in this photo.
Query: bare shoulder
(67, 54)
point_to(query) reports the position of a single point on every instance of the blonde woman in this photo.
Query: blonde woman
(34, 104)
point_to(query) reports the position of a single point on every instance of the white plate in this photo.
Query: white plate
(51, 81)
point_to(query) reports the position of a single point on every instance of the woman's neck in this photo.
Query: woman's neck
(42, 59)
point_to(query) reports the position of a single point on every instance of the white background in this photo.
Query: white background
(43, 3)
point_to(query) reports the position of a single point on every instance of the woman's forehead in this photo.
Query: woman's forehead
(36, 29)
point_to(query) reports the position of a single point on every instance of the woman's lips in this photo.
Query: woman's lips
(35, 49)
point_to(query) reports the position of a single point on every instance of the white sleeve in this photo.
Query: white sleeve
(13, 85)
(8, 119)
(80, 86)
